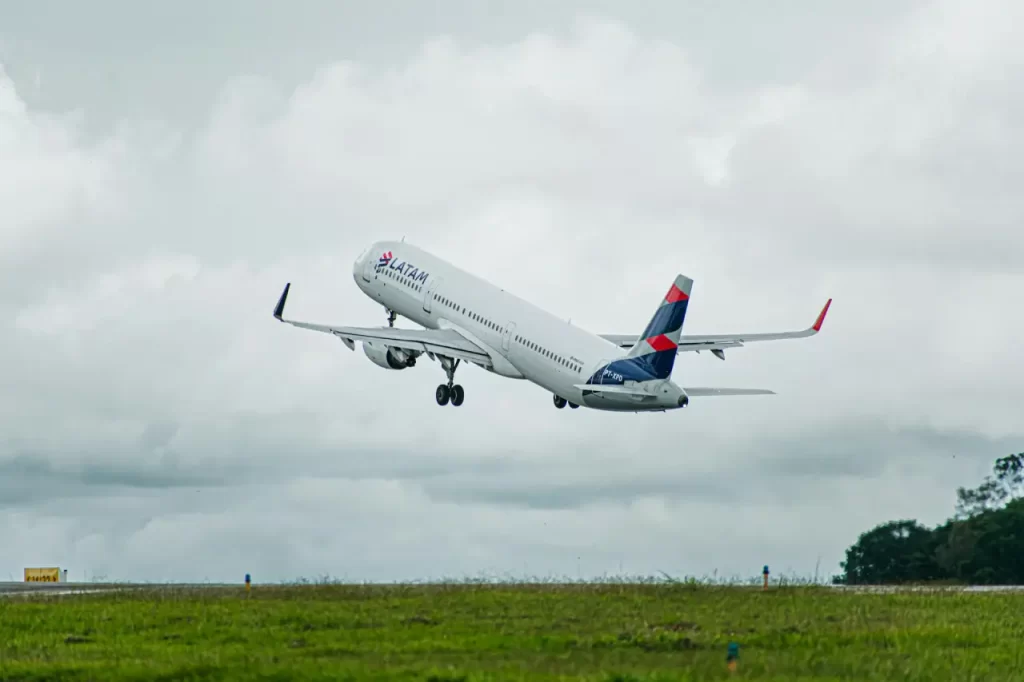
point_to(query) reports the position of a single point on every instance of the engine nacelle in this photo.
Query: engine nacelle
(389, 358)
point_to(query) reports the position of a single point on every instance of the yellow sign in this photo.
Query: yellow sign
(42, 575)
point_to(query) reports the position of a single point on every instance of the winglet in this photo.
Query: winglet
(279, 308)
(821, 316)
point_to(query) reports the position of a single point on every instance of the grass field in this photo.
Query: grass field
(512, 632)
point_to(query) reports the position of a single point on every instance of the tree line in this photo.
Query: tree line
(982, 544)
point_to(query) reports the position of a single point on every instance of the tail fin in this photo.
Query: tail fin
(657, 346)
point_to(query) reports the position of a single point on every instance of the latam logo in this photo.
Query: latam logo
(403, 268)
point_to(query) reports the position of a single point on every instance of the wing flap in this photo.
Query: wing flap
(685, 342)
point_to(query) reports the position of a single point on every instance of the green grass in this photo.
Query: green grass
(512, 632)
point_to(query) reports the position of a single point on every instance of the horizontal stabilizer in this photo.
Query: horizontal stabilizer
(705, 392)
(612, 388)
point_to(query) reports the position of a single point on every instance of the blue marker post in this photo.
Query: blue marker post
(733, 657)
(247, 581)
(765, 574)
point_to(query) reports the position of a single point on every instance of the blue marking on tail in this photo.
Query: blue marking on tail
(660, 363)
(657, 365)
(667, 318)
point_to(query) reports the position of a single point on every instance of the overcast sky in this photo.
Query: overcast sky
(165, 169)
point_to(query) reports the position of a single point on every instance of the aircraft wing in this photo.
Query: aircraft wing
(717, 343)
(431, 341)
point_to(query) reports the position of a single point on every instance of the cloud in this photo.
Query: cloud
(153, 410)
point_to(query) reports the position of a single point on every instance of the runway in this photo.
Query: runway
(15, 589)
(23, 589)
(889, 589)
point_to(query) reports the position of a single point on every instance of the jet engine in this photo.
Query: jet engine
(389, 358)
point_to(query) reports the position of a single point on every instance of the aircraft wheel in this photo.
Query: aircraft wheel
(559, 401)
(573, 405)
(458, 395)
(442, 394)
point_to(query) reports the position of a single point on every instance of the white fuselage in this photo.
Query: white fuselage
(524, 341)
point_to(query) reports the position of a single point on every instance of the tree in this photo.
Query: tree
(982, 544)
(1004, 485)
(955, 549)
(894, 552)
(996, 539)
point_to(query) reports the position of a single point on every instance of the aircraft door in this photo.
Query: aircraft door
(506, 340)
(428, 292)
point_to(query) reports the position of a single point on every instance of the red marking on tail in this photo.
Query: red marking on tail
(821, 317)
(661, 342)
(675, 294)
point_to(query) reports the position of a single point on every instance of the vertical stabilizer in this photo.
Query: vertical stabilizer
(657, 346)
(654, 354)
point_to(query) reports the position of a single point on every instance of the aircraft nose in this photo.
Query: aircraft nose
(362, 262)
(357, 264)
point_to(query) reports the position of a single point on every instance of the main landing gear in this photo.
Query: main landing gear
(392, 316)
(561, 402)
(450, 391)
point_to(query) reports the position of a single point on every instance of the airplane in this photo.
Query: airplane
(467, 319)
